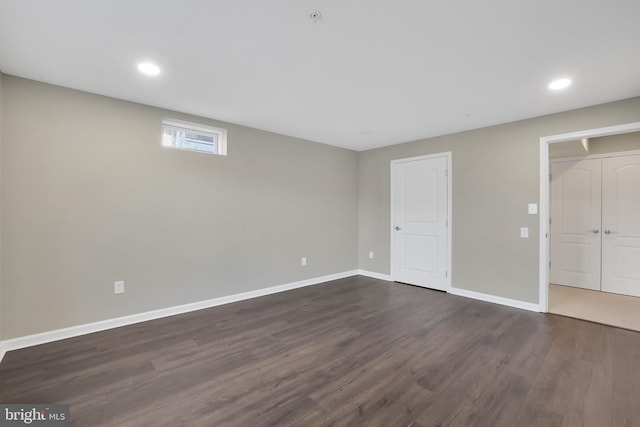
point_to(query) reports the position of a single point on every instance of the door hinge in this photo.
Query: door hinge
(549, 220)
(446, 273)
(549, 264)
(446, 172)
(549, 177)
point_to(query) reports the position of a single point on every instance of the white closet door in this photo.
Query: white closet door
(621, 225)
(575, 223)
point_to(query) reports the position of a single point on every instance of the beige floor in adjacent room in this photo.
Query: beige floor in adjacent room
(602, 307)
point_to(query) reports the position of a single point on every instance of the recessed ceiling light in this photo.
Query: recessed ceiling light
(148, 68)
(559, 84)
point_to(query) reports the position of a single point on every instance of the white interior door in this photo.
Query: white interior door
(575, 248)
(621, 225)
(419, 212)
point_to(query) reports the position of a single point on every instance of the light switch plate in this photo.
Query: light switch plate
(524, 232)
(533, 208)
(118, 287)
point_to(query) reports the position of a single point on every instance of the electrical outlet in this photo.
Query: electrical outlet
(371, 255)
(532, 208)
(524, 232)
(304, 260)
(118, 287)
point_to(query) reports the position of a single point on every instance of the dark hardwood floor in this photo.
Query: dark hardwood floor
(353, 352)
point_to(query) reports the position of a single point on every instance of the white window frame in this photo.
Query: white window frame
(221, 133)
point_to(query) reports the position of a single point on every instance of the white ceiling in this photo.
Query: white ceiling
(370, 73)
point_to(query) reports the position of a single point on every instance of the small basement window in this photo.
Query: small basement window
(194, 137)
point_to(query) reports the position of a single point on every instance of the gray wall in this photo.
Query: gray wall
(89, 197)
(495, 174)
(602, 145)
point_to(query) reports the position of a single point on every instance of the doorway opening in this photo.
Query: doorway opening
(589, 256)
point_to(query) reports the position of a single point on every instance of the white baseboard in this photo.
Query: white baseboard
(74, 331)
(495, 299)
(375, 275)
(468, 294)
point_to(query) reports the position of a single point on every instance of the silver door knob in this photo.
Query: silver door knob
(607, 231)
(397, 227)
(595, 231)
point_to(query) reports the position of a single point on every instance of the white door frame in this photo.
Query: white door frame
(544, 194)
(449, 205)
